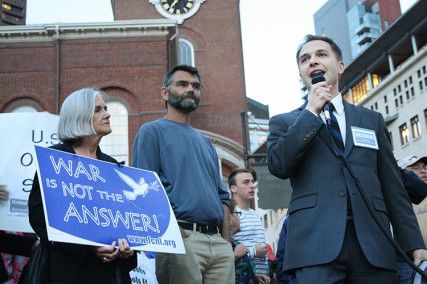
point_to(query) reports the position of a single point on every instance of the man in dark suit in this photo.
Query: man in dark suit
(332, 237)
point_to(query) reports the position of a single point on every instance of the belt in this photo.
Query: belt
(204, 229)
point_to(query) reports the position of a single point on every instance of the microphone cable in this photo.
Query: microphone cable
(371, 210)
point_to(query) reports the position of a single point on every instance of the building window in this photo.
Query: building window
(360, 91)
(403, 129)
(425, 115)
(420, 83)
(415, 126)
(405, 83)
(347, 97)
(396, 102)
(410, 80)
(11, 9)
(376, 106)
(401, 99)
(186, 52)
(399, 89)
(394, 92)
(386, 109)
(375, 80)
(419, 73)
(412, 92)
(116, 144)
(407, 95)
(385, 99)
(6, 6)
(424, 69)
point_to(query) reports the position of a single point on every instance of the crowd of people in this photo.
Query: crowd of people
(329, 235)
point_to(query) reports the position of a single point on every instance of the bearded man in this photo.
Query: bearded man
(187, 165)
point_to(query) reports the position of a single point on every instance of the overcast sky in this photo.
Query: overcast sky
(271, 32)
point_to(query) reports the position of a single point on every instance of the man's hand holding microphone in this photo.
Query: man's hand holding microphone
(319, 95)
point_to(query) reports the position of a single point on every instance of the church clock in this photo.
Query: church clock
(178, 10)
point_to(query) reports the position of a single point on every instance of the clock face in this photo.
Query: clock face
(177, 7)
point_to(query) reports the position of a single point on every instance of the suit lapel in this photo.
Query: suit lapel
(323, 132)
(352, 118)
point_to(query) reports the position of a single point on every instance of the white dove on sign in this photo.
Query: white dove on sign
(140, 188)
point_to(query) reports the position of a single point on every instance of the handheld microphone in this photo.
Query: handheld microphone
(318, 77)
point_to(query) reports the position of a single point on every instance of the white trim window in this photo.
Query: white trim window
(185, 52)
(116, 144)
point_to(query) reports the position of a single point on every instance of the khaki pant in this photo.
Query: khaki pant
(208, 259)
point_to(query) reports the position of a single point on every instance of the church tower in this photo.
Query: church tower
(209, 38)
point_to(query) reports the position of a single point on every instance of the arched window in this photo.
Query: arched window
(116, 144)
(24, 108)
(186, 52)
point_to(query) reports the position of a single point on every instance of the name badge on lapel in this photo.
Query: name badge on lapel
(363, 137)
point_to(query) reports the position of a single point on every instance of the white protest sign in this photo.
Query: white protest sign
(93, 202)
(145, 272)
(20, 132)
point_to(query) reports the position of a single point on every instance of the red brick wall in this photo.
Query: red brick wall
(131, 70)
(215, 34)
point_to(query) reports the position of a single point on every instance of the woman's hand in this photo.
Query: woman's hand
(107, 253)
(124, 250)
(4, 193)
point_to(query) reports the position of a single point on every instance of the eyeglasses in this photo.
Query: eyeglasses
(184, 84)
(238, 213)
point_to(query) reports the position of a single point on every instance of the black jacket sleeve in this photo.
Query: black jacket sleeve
(16, 244)
(415, 187)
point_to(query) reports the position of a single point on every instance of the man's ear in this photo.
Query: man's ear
(164, 93)
(341, 67)
(233, 188)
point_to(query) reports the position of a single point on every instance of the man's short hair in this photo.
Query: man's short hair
(308, 38)
(232, 176)
(76, 115)
(186, 68)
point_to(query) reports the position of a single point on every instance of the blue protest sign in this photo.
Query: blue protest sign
(89, 201)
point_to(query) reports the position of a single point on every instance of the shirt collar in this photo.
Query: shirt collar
(338, 104)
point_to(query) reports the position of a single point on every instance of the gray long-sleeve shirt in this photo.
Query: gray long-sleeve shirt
(188, 167)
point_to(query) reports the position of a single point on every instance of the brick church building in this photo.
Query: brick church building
(41, 65)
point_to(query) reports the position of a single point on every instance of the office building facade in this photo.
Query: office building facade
(354, 24)
(13, 12)
(390, 77)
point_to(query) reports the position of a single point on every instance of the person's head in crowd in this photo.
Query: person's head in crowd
(83, 114)
(319, 54)
(181, 88)
(242, 186)
(415, 164)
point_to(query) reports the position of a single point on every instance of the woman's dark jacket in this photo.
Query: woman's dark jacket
(73, 263)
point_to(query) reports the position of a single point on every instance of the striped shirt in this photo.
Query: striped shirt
(252, 233)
